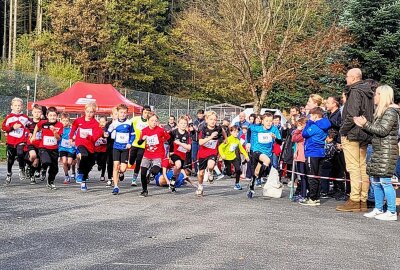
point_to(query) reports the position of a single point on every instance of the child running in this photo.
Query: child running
(66, 150)
(100, 150)
(88, 132)
(155, 137)
(228, 153)
(263, 139)
(124, 137)
(180, 145)
(14, 126)
(209, 138)
(32, 159)
(51, 130)
(110, 146)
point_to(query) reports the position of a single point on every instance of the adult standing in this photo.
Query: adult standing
(384, 130)
(171, 124)
(194, 131)
(359, 102)
(242, 122)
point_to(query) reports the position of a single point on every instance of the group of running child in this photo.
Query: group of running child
(38, 143)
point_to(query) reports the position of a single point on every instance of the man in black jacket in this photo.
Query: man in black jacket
(359, 102)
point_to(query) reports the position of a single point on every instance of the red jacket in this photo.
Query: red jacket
(154, 142)
(18, 136)
(87, 132)
(299, 140)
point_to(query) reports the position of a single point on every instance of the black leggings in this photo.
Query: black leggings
(236, 165)
(49, 159)
(136, 156)
(110, 161)
(86, 163)
(12, 154)
(143, 175)
(101, 160)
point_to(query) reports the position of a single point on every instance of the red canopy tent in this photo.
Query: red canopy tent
(78, 95)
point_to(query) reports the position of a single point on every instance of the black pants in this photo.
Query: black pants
(136, 156)
(302, 187)
(12, 154)
(86, 163)
(49, 159)
(313, 167)
(154, 170)
(101, 160)
(339, 171)
(326, 169)
(110, 161)
(236, 165)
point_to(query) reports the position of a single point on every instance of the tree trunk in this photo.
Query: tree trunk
(30, 17)
(10, 32)
(3, 55)
(14, 50)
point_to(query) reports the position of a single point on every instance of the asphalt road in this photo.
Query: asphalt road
(68, 229)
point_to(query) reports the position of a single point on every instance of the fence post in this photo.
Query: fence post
(188, 108)
(205, 106)
(169, 106)
(148, 98)
(34, 93)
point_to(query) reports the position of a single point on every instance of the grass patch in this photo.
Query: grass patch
(3, 156)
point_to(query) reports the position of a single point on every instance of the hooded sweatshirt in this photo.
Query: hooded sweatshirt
(359, 102)
(315, 134)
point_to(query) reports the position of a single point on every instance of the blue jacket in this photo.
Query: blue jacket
(315, 134)
(124, 133)
(262, 139)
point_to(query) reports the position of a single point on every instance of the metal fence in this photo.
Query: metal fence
(31, 87)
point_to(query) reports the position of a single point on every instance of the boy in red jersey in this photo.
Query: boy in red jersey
(32, 157)
(209, 137)
(48, 147)
(154, 152)
(88, 132)
(14, 125)
(180, 144)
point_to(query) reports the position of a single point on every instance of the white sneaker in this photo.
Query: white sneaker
(219, 177)
(387, 216)
(373, 213)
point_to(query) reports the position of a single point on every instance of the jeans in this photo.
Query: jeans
(383, 188)
(195, 150)
(371, 196)
(355, 156)
(397, 172)
(275, 161)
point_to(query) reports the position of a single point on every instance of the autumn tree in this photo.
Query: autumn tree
(263, 42)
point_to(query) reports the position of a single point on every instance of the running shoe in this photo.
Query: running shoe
(8, 179)
(115, 191)
(324, 195)
(220, 176)
(42, 175)
(102, 178)
(134, 179)
(237, 187)
(144, 194)
(373, 213)
(28, 172)
(172, 185)
(109, 183)
(121, 177)
(51, 186)
(387, 216)
(79, 178)
(250, 194)
(36, 174)
(258, 182)
(199, 192)
(22, 174)
(83, 187)
(66, 180)
(73, 176)
(33, 180)
(310, 202)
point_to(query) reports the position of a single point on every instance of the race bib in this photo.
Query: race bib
(182, 149)
(141, 125)
(84, 132)
(113, 134)
(38, 135)
(65, 143)
(264, 138)
(49, 141)
(152, 140)
(212, 144)
(17, 133)
(233, 147)
(122, 137)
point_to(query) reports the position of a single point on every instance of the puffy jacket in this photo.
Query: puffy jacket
(336, 121)
(315, 134)
(384, 143)
(359, 102)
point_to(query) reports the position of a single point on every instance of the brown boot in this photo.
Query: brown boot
(349, 206)
(363, 207)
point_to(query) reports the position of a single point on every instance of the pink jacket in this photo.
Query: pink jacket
(299, 140)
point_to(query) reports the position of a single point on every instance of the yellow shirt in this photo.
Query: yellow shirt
(138, 124)
(228, 150)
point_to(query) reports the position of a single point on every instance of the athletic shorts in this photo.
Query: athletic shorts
(147, 163)
(203, 161)
(175, 158)
(67, 154)
(121, 155)
(256, 157)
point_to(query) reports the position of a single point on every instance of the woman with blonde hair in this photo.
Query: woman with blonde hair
(384, 130)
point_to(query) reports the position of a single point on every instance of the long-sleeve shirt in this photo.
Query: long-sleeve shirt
(228, 150)
(15, 136)
(49, 141)
(64, 144)
(155, 139)
(262, 138)
(124, 133)
(87, 132)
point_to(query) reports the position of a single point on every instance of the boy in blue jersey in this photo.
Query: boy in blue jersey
(315, 133)
(65, 149)
(263, 138)
(124, 137)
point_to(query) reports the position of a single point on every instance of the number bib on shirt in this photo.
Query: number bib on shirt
(121, 137)
(85, 132)
(17, 133)
(49, 141)
(233, 147)
(264, 138)
(38, 135)
(182, 149)
(65, 143)
(212, 144)
(152, 140)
